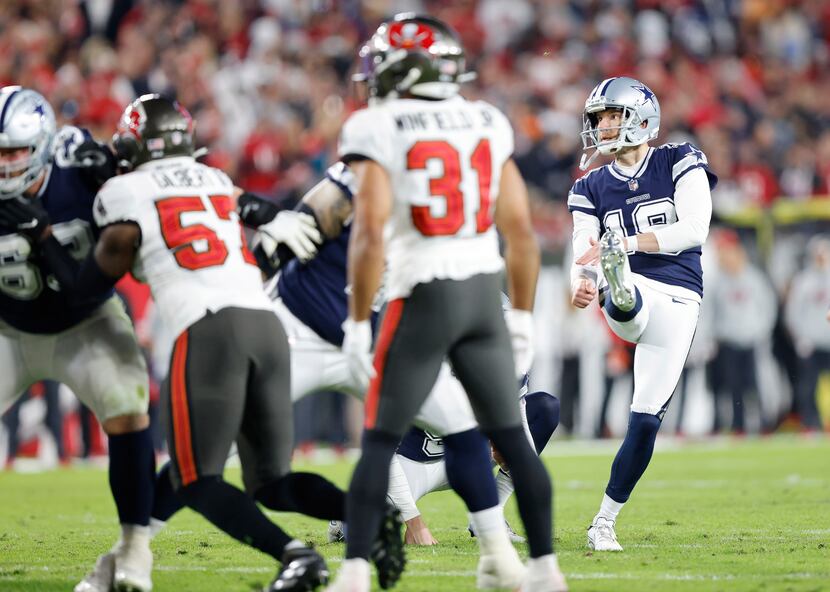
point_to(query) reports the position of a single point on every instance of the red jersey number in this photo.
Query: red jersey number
(179, 239)
(448, 186)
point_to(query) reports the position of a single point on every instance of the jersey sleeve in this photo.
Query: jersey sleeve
(67, 141)
(115, 203)
(580, 198)
(341, 175)
(505, 142)
(366, 135)
(685, 158)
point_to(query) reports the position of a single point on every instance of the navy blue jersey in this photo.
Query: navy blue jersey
(644, 201)
(315, 291)
(30, 297)
(421, 446)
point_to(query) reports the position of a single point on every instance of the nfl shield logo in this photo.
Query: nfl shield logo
(633, 184)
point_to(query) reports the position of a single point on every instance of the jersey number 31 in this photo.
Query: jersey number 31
(448, 186)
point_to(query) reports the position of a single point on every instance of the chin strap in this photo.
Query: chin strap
(586, 160)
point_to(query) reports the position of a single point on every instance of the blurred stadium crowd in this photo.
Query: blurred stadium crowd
(268, 82)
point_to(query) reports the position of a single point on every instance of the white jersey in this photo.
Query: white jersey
(192, 252)
(444, 160)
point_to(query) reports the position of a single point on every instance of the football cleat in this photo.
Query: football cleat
(614, 263)
(133, 568)
(354, 576)
(387, 551)
(544, 575)
(500, 570)
(303, 570)
(511, 534)
(601, 535)
(100, 578)
(336, 533)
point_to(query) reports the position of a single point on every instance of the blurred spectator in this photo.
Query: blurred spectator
(53, 420)
(743, 313)
(809, 298)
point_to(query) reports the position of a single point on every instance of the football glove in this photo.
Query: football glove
(357, 346)
(296, 230)
(24, 216)
(97, 159)
(520, 326)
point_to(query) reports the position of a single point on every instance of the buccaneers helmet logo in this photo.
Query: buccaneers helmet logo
(409, 35)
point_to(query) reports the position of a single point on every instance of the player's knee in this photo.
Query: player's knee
(642, 426)
(542, 417)
(125, 424)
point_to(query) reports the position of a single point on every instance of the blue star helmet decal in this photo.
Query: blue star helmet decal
(649, 96)
(39, 109)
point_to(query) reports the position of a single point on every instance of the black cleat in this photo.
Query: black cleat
(387, 550)
(303, 570)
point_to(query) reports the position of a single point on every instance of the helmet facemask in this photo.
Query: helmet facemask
(639, 117)
(28, 124)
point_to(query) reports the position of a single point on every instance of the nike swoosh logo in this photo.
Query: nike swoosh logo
(30, 224)
(678, 301)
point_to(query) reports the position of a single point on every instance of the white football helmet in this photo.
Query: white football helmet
(638, 105)
(26, 121)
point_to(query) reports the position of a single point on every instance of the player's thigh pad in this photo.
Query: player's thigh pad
(424, 477)
(266, 437)
(14, 375)
(447, 410)
(204, 396)
(100, 360)
(662, 351)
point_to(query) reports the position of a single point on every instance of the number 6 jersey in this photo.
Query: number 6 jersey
(444, 160)
(192, 254)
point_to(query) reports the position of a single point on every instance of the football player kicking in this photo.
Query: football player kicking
(172, 222)
(642, 219)
(45, 334)
(431, 168)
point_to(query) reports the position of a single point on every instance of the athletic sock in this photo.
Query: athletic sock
(487, 521)
(367, 492)
(533, 488)
(166, 502)
(304, 493)
(633, 456)
(468, 466)
(609, 509)
(232, 511)
(131, 475)
(504, 485)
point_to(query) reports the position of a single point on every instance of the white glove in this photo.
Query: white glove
(357, 345)
(298, 231)
(520, 326)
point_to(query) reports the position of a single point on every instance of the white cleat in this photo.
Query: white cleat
(500, 571)
(133, 568)
(544, 575)
(601, 535)
(511, 534)
(101, 576)
(354, 576)
(614, 263)
(335, 533)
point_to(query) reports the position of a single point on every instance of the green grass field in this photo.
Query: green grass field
(721, 515)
